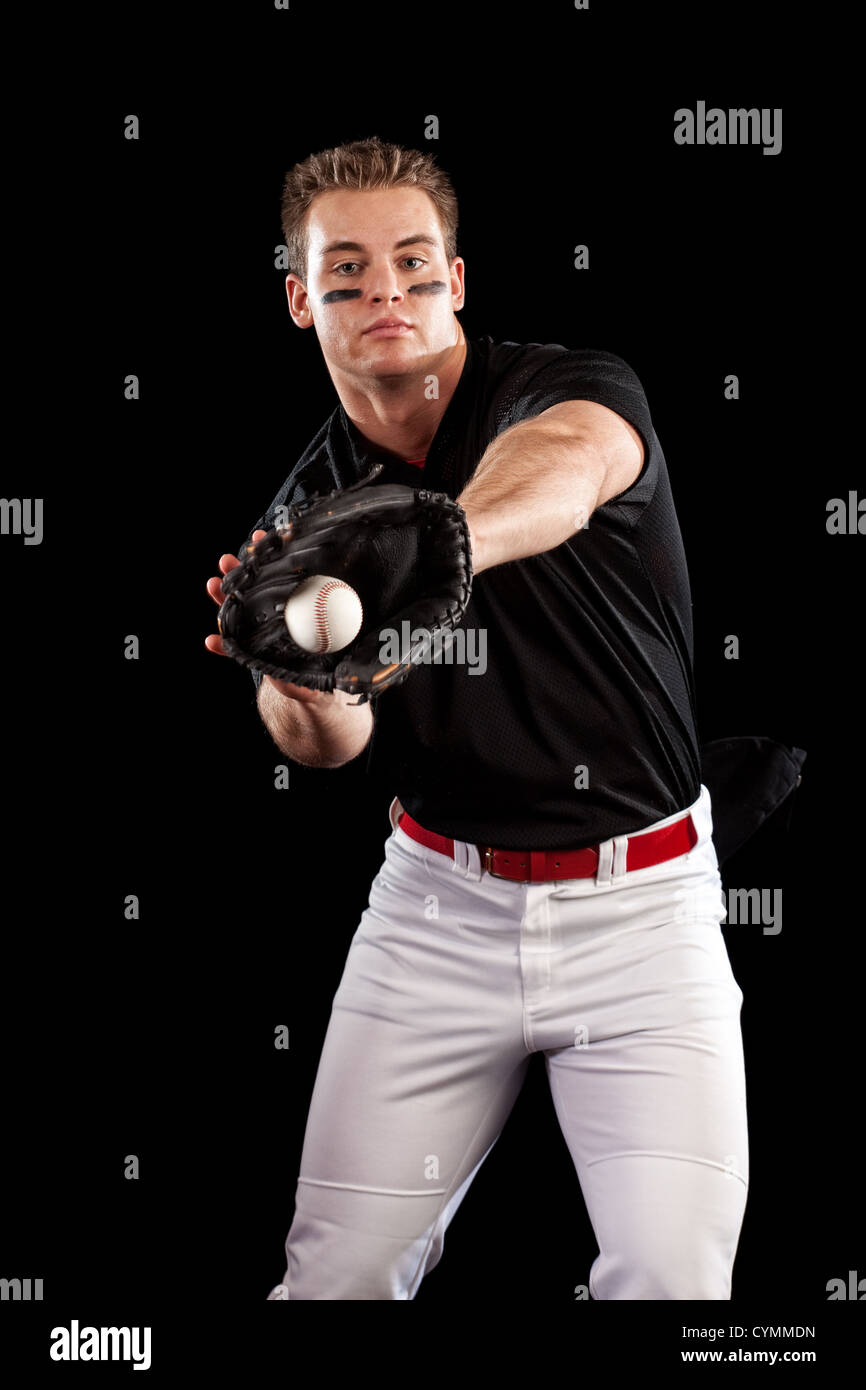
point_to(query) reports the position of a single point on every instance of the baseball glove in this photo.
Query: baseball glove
(406, 552)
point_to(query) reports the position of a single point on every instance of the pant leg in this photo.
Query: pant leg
(652, 1100)
(422, 1062)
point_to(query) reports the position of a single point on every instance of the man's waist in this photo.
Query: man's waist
(674, 836)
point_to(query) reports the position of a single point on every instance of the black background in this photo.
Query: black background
(155, 777)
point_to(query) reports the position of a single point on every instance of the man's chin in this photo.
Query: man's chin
(394, 357)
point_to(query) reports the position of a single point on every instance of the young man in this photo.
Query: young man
(550, 883)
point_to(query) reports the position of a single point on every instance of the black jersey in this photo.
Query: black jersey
(566, 712)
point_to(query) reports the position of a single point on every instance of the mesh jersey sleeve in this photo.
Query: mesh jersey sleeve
(545, 374)
(563, 374)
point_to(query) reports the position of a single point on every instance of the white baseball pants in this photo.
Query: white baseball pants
(452, 980)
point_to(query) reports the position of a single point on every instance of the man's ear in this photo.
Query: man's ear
(458, 276)
(299, 301)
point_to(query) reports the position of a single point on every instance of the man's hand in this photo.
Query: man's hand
(214, 642)
(318, 728)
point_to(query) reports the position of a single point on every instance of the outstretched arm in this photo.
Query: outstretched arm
(540, 481)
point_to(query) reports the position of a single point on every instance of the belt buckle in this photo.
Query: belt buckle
(509, 878)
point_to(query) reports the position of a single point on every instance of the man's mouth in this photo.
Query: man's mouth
(388, 328)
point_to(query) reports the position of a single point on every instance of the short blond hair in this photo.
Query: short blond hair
(362, 164)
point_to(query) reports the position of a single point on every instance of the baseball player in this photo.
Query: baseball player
(550, 882)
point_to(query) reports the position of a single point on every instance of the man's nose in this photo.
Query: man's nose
(386, 286)
(394, 297)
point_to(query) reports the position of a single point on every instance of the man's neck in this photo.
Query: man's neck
(398, 416)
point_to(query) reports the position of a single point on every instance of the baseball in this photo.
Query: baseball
(323, 614)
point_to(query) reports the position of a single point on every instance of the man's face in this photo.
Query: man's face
(372, 255)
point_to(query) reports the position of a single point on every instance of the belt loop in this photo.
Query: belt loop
(473, 868)
(702, 815)
(620, 853)
(605, 861)
(467, 860)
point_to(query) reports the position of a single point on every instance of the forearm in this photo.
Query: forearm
(326, 732)
(532, 489)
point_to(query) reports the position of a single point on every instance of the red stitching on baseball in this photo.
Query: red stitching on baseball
(322, 630)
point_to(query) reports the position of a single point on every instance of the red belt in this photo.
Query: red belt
(547, 865)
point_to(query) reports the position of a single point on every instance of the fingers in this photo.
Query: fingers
(227, 563)
(214, 585)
